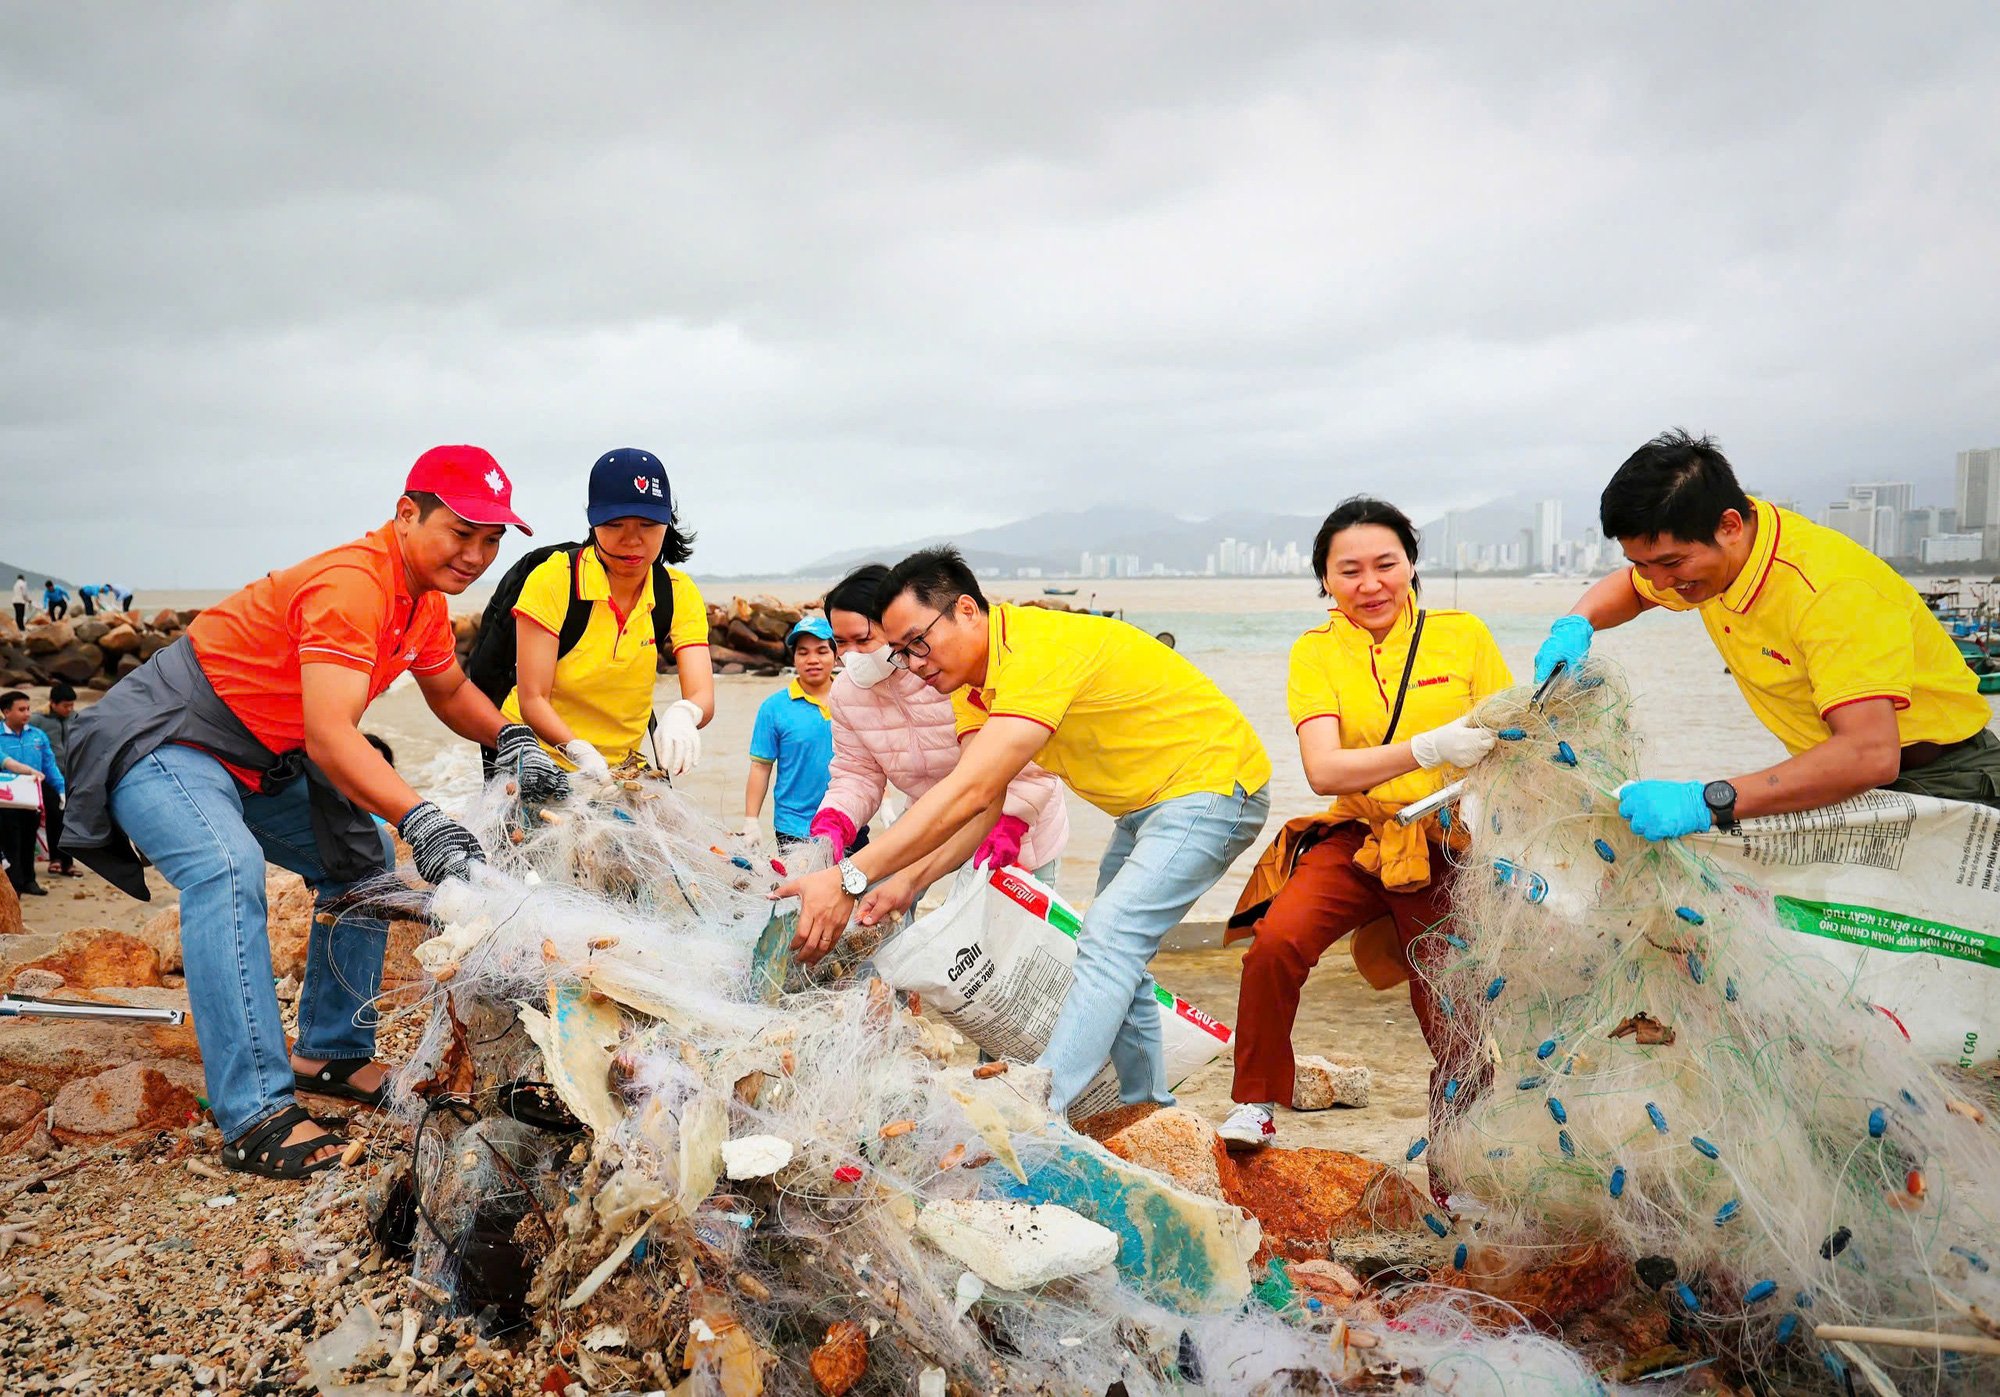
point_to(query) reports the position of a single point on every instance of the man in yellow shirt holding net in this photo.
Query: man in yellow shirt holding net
(1834, 652)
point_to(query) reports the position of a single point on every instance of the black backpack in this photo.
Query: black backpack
(490, 666)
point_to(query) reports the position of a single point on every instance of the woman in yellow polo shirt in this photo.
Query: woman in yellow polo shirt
(1379, 696)
(594, 703)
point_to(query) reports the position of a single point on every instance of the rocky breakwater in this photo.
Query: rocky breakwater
(89, 652)
(745, 637)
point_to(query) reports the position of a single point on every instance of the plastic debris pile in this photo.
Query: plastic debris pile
(644, 1137)
(1675, 1073)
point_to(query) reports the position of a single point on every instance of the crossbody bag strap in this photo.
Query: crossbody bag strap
(1403, 689)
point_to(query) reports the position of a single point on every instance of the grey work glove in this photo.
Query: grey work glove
(535, 771)
(442, 847)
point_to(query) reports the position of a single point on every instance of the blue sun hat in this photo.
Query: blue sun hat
(815, 626)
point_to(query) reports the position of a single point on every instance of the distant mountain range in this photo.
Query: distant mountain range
(10, 571)
(1056, 541)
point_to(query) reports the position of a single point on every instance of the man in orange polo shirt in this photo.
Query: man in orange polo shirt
(239, 744)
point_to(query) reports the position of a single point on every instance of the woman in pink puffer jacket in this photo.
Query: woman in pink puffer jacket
(892, 729)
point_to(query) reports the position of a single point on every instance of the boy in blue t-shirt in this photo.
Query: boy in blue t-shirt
(793, 740)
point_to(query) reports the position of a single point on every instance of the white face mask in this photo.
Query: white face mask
(868, 667)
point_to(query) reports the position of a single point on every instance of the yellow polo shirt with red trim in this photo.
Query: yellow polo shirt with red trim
(1815, 621)
(349, 606)
(603, 688)
(1340, 671)
(1131, 723)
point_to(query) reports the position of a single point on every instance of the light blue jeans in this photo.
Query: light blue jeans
(186, 813)
(1160, 860)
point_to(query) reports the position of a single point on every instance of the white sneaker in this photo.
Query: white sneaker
(1249, 1127)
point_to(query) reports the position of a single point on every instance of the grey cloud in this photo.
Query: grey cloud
(863, 272)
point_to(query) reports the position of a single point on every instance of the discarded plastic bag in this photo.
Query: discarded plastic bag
(996, 961)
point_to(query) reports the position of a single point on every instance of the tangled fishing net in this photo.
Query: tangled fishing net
(1662, 1067)
(645, 1135)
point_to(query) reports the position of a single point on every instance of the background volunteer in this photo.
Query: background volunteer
(1128, 725)
(1835, 653)
(791, 742)
(25, 750)
(55, 724)
(1351, 867)
(594, 704)
(238, 744)
(892, 729)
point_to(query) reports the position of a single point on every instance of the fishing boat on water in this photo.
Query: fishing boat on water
(1972, 629)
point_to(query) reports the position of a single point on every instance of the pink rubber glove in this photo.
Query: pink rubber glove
(1003, 844)
(831, 824)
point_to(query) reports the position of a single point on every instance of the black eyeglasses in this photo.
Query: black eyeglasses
(918, 648)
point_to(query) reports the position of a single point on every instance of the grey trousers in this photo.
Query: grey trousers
(1970, 773)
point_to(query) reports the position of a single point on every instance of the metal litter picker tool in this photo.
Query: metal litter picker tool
(13, 1006)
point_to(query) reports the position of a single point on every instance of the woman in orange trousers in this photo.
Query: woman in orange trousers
(1380, 696)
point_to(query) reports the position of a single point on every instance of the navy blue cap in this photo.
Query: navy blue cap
(629, 483)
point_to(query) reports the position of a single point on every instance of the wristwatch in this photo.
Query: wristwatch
(854, 882)
(1720, 798)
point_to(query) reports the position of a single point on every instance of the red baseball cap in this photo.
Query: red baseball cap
(470, 482)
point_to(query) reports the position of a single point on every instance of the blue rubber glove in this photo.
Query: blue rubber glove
(1568, 644)
(1664, 809)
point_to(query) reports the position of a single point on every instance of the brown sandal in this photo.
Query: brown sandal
(261, 1150)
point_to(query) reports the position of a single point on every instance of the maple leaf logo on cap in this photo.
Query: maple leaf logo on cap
(495, 481)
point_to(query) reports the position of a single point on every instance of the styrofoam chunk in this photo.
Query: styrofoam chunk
(755, 1156)
(1016, 1246)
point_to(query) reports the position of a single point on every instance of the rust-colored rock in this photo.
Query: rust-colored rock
(1174, 1142)
(1554, 1288)
(94, 957)
(1305, 1197)
(119, 640)
(49, 637)
(165, 620)
(840, 1360)
(137, 1096)
(10, 910)
(18, 1106)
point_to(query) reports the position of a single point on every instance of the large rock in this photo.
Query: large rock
(45, 1054)
(1319, 1083)
(1304, 1198)
(49, 637)
(152, 643)
(119, 640)
(187, 616)
(1552, 1286)
(94, 958)
(10, 910)
(135, 1096)
(75, 663)
(91, 629)
(165, 620)
(1168, 1140)
(18, 1106)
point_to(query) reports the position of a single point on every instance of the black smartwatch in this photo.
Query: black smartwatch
(1720, 798)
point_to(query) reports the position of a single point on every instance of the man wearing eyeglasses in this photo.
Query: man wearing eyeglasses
(1130, 726)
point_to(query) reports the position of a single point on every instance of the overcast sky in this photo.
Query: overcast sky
(858, 273)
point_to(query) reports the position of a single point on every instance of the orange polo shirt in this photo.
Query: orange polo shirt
(349, 606)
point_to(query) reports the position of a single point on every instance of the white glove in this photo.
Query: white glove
(587, 760)
(679, 737)
(1461, 744)
(752, 831)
